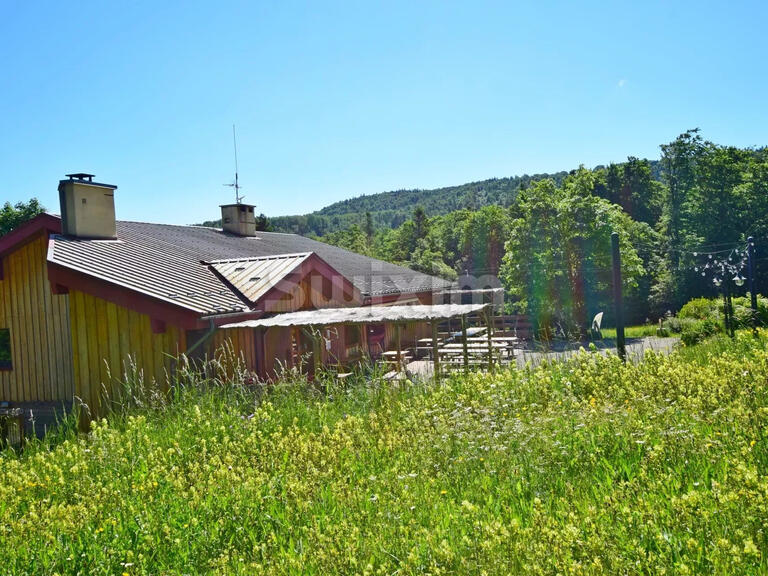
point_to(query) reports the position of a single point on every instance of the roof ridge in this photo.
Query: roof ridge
(257, 258)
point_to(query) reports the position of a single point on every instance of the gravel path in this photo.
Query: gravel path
(636, 348)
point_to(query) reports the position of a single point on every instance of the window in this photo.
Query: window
(5, 349)
(352, 335)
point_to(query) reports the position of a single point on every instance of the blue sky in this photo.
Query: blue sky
(337, 99)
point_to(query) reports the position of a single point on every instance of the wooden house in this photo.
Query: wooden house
(83, 295)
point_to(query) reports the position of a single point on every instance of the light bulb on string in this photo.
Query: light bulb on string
(717, 282)
(738, 280)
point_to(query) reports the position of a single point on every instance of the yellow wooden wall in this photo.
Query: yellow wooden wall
(39, 326)
(108, 340)
(242, 342)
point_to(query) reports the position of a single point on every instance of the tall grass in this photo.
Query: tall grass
(639, 331)
(588, 466)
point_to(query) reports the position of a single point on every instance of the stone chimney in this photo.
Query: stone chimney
(238, 219)
(87, 207)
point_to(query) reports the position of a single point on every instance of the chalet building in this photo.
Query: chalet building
(81, 293)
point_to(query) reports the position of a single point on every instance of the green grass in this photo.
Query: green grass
(640, 331)
(584, 467)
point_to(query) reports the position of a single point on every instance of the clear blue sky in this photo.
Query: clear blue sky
(333, 100)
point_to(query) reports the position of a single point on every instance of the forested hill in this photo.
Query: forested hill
(391, 209)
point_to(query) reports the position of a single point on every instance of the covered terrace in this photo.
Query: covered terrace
(393, 335)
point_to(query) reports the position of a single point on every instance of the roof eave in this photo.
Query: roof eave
(28, 231)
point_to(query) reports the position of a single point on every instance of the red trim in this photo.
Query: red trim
(58, 289)
(125, 297)
(160, 312)
(28, 231)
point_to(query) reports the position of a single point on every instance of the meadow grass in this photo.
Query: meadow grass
(639, 331)
(584, 467)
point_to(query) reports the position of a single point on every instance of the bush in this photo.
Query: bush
(694, 332)
(742, 311)
(678, 325)
(701, 309)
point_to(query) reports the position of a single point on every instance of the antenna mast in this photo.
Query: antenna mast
(236, 184)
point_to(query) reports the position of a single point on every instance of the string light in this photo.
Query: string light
(723, 267)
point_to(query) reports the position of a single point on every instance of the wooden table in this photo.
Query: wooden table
(390, 357)
(474, 331)
(475, 345)
(494, 339)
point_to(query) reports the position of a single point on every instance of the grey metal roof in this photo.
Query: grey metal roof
(361, 315)
(170, 263)
(254, 277)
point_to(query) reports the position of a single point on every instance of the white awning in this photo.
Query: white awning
(362, 315)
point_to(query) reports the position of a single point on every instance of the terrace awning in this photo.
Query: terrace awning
(362, 315)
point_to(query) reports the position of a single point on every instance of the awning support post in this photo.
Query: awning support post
(435, 354)
(316, 352)
(489, 320)
(464, 343)
(398, 347)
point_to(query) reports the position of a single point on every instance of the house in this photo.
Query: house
(83, 296)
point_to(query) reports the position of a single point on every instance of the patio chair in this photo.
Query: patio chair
(597, 321)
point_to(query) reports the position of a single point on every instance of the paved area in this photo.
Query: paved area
(636, 348)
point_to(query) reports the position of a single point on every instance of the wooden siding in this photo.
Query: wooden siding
(38, 321)
(303, 296)
(242, 342)
(110, 342)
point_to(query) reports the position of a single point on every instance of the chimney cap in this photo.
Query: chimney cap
(80, 176)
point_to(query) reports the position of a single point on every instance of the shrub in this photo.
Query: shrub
(742, 311)
(712, 308)
(701, 309)
(694, 332)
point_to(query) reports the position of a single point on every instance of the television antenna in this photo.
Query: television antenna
(236, 183)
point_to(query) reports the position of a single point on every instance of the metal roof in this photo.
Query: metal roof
(157, 273)
(173, 263)
(361, 315)
(254, 277)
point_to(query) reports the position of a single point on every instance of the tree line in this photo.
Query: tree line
(392, 209)
(551, 245)
(548, 240)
